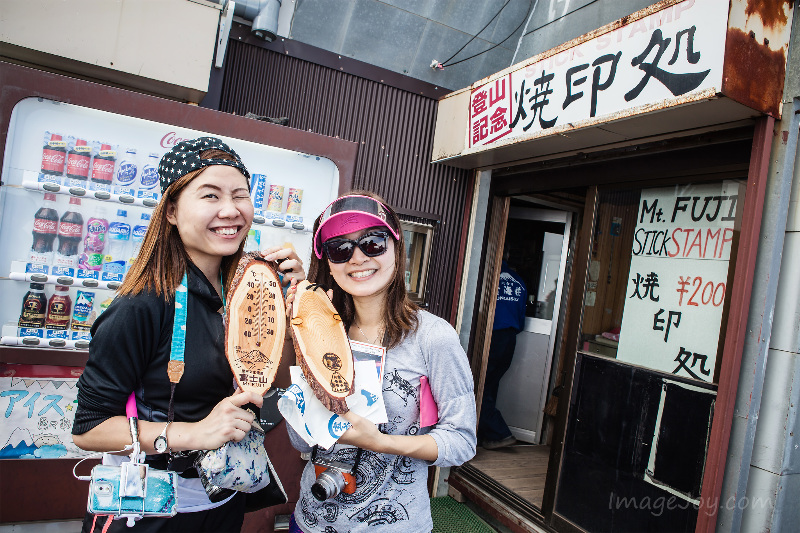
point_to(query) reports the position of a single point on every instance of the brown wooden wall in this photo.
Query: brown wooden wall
(612, 252)
(394, 128)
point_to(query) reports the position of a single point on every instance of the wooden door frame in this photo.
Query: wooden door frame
(492, 261)
(570, 338)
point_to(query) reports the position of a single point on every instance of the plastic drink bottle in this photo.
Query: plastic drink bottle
(253, 242)
(45, 228)
(95, 241)
(137, 236)
(148, 179)
(128, 169)
(258, 183)
(82, 313)
(78, 160)
(104, 305)
(70, 232)
(103, 165)
(119, 234)
(59, 309)
(54, 155)
(34, 306)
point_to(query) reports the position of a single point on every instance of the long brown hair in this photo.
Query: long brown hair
(399, 312)
(162, 260)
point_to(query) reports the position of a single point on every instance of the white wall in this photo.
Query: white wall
(159, 46)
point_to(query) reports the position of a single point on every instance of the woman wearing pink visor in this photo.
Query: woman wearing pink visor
(359, 253)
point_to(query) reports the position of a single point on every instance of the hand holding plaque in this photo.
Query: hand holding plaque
(255, 324)
(322, 347)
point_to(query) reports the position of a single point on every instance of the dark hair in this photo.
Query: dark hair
(162, 260)
(399, 312)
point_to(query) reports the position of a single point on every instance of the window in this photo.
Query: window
(662, 260)
(418, 237)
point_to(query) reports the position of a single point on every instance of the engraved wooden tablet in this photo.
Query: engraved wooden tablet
(322, 347)
(255, 324)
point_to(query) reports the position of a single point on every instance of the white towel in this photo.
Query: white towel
(318, 426)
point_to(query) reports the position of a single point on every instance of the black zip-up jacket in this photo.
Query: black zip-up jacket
(129, 351)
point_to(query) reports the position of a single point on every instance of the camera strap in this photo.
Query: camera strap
(357, 461)
(178, 347)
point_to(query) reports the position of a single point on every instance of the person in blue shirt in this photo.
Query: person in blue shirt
(509, 319)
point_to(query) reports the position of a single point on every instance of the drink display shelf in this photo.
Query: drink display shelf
(69, 281)
(35, 182)
(90, 279)
(280, 223)
(37, 342)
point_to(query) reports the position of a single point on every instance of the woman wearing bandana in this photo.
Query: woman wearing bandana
(359, 252)
(195, 238)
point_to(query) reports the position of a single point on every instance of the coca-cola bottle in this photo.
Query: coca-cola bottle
(103, 165)
(54, 155)
(78, 160)
(45, 228)
(70, 233)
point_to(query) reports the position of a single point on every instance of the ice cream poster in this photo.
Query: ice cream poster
(38, 404)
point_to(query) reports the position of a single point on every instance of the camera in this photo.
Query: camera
(333, 477)
(132, 489)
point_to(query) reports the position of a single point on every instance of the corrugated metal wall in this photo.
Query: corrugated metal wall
(393, 127)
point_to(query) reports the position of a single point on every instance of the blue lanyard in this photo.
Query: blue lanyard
(179, 325)
(178, 347)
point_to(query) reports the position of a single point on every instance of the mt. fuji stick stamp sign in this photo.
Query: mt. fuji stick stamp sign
(678, 278)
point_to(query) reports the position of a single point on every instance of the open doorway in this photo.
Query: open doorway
(536, 248)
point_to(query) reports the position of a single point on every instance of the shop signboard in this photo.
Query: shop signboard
(678, 278)
(666, 58)
(38, 405)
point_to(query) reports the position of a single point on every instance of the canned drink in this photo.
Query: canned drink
(258, 182)
(294, 201)
(275, 201)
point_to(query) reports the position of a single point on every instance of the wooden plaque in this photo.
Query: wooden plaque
(322, 347)
(255, 324)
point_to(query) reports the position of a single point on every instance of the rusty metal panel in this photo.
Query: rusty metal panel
(756, 48)
(393, 127)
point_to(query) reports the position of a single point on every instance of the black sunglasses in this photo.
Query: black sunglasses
(340, 250)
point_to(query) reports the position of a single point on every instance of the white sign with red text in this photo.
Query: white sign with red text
(678, 278)
(660, 59)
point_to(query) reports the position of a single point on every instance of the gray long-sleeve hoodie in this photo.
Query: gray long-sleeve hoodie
(392, 490)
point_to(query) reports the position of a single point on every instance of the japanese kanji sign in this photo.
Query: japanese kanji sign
(678, 278)
(655, 60)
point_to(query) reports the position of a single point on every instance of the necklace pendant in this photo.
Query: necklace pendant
(375, 342)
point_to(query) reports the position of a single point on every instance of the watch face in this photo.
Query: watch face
(160, 444)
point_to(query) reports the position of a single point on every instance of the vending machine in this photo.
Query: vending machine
(79, 183)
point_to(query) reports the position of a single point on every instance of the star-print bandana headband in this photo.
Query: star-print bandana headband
(185, 157)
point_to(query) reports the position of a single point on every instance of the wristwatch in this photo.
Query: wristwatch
(160, 444)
